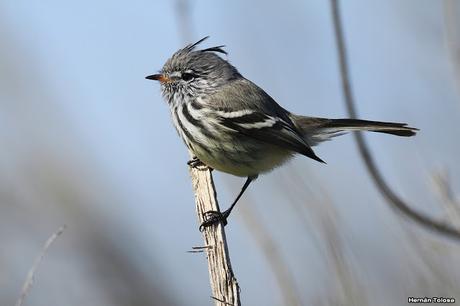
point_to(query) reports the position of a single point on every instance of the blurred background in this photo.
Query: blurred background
(86, 141)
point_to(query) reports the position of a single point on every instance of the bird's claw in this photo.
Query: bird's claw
(195, 162)
(213, 217)
(198, 164)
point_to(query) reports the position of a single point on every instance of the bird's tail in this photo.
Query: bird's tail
(316, 130)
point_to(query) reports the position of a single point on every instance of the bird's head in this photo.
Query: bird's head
(191, 73)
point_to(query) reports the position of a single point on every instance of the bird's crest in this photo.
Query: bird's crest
(191, 47)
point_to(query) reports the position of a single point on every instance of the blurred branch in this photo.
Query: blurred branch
(270, 250)
(183, 8)
(328, 232)
(442, 183)
(393, 199)
(31, 275)
(225, 289)
(452, 35)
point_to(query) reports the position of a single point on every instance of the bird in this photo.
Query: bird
(232, 125)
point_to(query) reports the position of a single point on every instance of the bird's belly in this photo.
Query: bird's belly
(243, 160)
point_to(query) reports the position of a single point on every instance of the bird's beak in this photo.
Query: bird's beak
(158, 77)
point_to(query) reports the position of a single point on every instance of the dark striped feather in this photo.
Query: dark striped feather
(189, 140)
(280, 134)
(196, 122)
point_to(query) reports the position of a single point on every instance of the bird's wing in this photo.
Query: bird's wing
(243, 107)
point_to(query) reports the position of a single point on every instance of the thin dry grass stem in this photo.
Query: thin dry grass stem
(393, 199)
(270, 250)
(224, 286)
(33, 270)
(430, 262)
(452, 36)
(442, 184)
(329, 228)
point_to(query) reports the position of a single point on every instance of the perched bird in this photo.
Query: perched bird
(232, 125)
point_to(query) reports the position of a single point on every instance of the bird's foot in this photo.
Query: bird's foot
(198, 164)
(195, 162)
(214, 217)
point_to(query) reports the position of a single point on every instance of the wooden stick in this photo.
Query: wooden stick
(224, 286)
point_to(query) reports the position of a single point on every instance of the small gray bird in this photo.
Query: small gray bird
(232, 125)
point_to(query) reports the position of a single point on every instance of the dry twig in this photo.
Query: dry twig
(31, 275)
(225, 289)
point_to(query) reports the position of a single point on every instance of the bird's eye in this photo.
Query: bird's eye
(187, 76)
